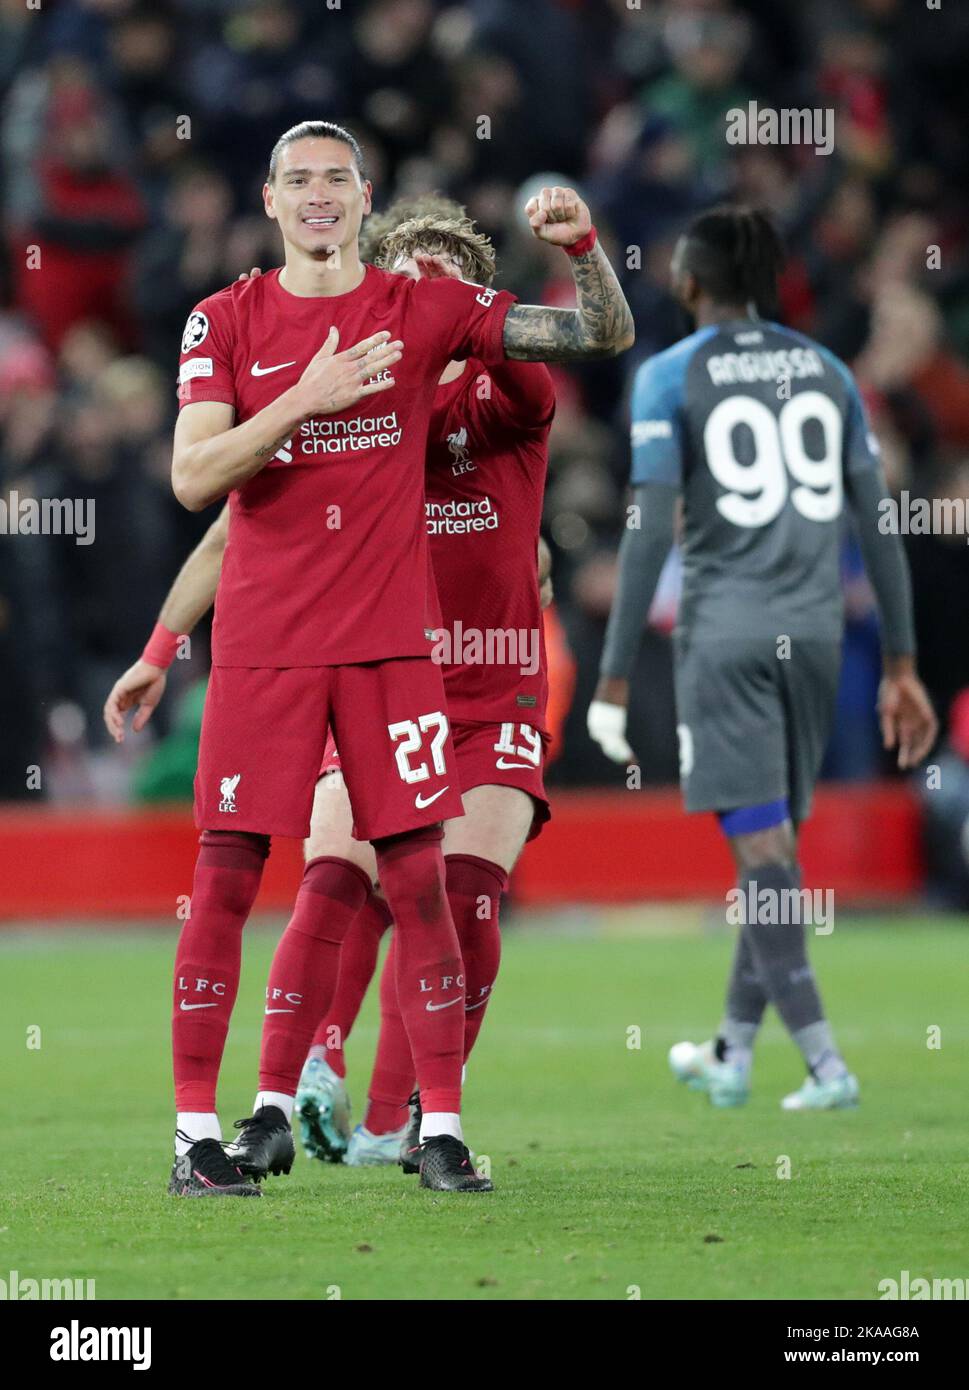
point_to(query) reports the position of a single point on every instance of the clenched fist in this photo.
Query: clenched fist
(558, 215)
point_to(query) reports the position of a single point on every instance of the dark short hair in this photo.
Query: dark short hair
(736, 255)
(316, 130)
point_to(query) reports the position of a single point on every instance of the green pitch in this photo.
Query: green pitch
(610, 1177)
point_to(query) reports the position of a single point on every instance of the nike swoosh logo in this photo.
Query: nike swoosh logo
(480, 1005)
(502, 763)
(420, 802)
(265, 371)
(435, 1008)
(186, 1007)
(280, 1011)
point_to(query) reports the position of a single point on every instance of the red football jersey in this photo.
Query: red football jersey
(487, 457)
(327, 559)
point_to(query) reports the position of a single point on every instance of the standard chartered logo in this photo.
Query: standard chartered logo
(457, 517)
(333, 436)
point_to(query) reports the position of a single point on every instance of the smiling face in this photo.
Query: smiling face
(317, 196)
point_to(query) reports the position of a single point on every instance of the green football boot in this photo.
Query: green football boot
(697, 1066)
(323, 1108)
(842, 1093)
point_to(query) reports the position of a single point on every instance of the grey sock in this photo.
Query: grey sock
(735, 1042)
(774, 929)
(744, 1009)
(817, 1045)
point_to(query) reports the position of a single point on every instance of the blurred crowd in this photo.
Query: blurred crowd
(134, 136)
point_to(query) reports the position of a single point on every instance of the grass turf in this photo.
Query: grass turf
(611, 1178)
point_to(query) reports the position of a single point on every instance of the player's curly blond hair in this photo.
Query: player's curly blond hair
(432, 225)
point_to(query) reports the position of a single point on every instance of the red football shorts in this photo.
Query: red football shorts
(264, 732)
(488, 755)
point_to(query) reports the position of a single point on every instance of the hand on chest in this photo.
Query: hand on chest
(273, 362)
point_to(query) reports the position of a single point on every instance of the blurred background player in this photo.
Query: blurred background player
(763, 434)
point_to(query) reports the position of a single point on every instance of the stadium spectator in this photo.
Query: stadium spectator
(73, 228)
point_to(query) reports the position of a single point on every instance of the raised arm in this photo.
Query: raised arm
(191, 595)
(211, 456)
(601, 324)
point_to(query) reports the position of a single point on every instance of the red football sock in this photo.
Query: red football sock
(474, 889)
(430, 981)
(358, 962)
(393, 1071)
(208, 958)
(303, 974)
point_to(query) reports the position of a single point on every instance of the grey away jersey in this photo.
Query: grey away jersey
(762, 430)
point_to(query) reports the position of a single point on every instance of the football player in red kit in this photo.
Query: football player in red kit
(486, 457)
(325, 615)
(484, 484)
(485, 478)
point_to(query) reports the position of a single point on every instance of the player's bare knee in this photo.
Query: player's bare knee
(494, 826)
(325, 839)
(331, 827)
(328, 843)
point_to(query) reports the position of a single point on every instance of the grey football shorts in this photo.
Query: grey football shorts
(753, 719)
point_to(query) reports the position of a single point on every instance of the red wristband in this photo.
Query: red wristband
(161, 647)
(580, 248)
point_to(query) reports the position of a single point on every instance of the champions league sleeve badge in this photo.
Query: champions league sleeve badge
(196, 331)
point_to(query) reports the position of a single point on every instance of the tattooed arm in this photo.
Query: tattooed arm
(602, 324)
